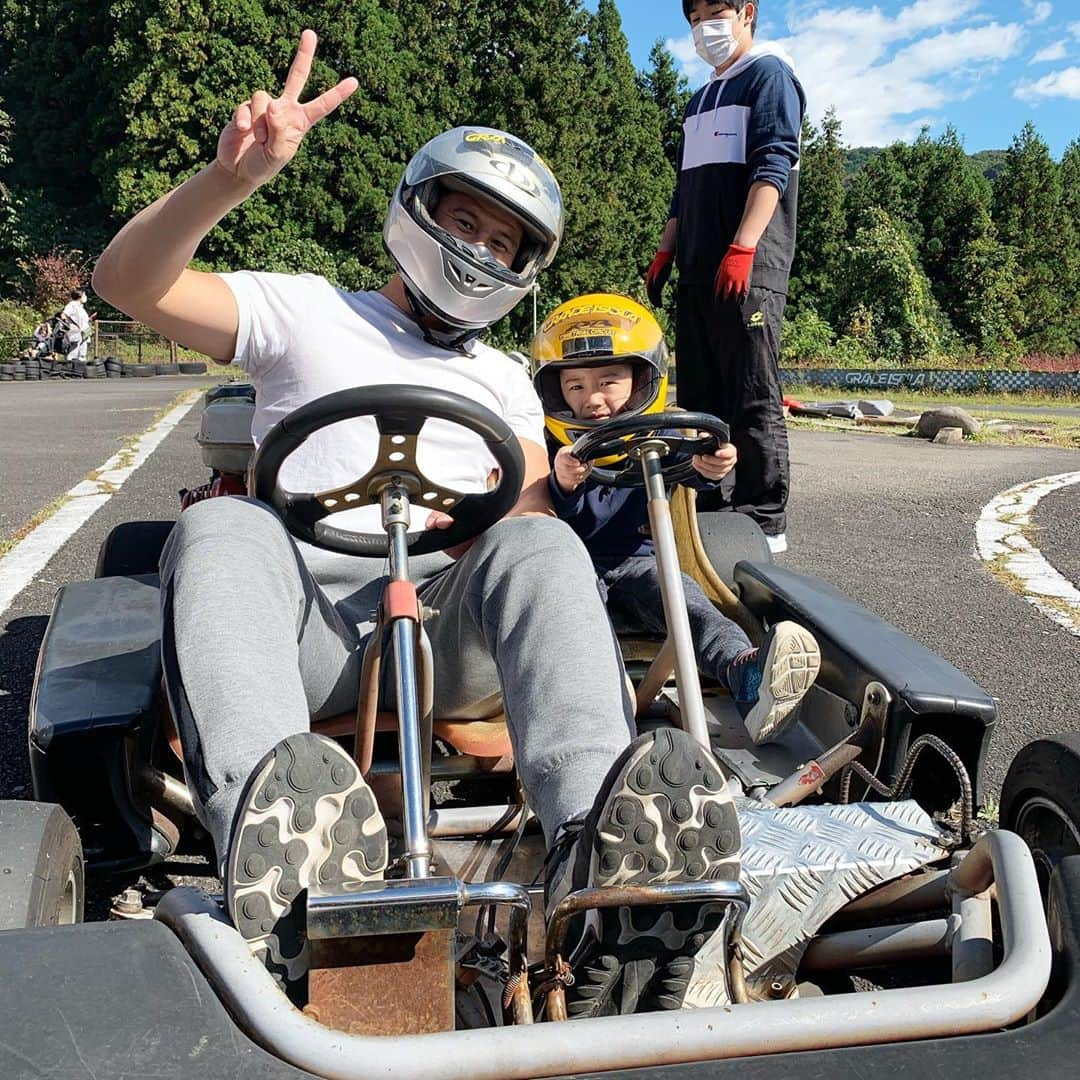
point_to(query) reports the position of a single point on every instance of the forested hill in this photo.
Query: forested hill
(105, 105)
(988, 162)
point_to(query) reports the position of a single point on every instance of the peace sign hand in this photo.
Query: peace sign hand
(264, 133)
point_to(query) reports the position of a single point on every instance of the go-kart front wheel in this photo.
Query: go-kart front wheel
(1040, 800)
(41, 867)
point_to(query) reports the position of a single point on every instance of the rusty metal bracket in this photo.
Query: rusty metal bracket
(385, 947)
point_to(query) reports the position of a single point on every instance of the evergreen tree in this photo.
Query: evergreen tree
(1070, 201)
(1029, 213)
(820, 246)
(942, 201)
(669, 91)
(7, 209)
(887, 302)
(986, 309)
(621, 180)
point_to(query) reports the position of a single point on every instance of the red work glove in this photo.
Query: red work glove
(733, 277)
(657, 276)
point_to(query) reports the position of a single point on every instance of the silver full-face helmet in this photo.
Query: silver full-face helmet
(461, 284)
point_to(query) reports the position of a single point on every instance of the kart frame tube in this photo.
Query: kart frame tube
(994, 1001)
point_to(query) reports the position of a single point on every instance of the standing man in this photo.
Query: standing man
(731, 228)
(76, 325)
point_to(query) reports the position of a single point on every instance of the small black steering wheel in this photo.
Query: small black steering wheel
(400, 412)
(632, 435)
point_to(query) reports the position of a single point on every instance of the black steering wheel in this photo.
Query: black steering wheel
(632, 435)
(400, 412)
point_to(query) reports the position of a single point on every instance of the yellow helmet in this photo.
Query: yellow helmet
(592, 331)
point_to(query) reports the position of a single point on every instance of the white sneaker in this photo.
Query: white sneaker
(777, 544)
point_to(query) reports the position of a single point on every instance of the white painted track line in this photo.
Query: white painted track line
(31, 554)
(999, 535)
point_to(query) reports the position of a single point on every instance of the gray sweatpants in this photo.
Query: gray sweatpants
(259, 634)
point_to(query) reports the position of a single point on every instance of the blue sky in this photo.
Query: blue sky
(985, 66)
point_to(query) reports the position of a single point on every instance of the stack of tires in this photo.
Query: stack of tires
(106, 367)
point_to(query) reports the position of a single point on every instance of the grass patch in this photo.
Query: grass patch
(999, 571)
(41, 516)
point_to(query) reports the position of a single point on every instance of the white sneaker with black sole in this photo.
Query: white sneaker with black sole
(769, 682)
(305, 817)
(664, 814)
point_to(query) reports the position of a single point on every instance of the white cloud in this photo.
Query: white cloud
(1050, 53)
(1074, 29)
(886, 75)
(1040, 10)
(1058, 84)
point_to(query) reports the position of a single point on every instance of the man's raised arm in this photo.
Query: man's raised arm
(144, 270)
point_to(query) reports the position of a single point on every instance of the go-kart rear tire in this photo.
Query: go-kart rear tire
(1040, 800)
(42, 879)
(730, 538)
(131, 548)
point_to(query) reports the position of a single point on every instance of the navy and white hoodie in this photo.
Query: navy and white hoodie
(741, 127)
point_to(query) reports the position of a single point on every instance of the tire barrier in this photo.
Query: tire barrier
(34, 369)
(972, 380)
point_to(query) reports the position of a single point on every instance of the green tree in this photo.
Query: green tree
(669, 91)
(887, 303)
(7, 207)
(942, 200)
(621, 180)
(986, 308)
(1070, 201)
(822, 223)
(1031, 219)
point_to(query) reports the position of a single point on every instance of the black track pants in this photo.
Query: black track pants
(727, 357)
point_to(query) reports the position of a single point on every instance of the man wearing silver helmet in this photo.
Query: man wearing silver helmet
(261, 634)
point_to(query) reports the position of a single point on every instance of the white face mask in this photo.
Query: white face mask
(715, 41)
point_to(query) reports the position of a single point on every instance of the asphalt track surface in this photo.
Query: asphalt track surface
(53, 433)
(889, 520)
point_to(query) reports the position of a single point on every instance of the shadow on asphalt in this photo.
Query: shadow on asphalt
(19, 644)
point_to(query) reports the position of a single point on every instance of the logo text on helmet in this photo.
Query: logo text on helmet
(572, 312)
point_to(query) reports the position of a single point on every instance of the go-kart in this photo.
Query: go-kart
(874, 927)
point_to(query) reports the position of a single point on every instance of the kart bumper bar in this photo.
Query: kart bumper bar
(993, 1001)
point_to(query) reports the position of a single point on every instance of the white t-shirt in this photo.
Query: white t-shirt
(78, 321)
(301, 338)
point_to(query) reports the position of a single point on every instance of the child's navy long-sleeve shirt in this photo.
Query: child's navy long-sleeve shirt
(738, 129)
(613, 523)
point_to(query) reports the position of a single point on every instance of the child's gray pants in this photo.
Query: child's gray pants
(258, 637)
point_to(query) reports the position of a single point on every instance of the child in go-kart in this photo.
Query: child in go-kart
(602, 356)
(260, 634)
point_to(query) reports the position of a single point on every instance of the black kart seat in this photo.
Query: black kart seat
(858, 647)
